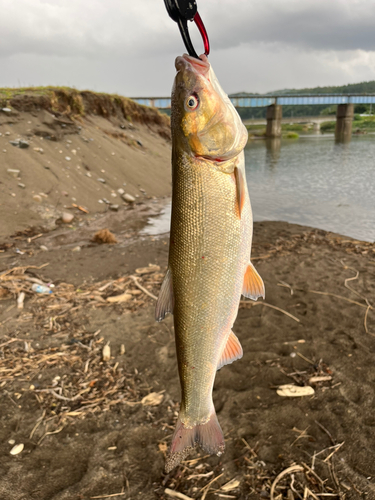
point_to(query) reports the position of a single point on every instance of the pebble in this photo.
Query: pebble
(88, 174)
(64, 193)
(39, 150)
(101, 180)
(76, 249)
(106, 201)
(6, 110)
(100, 201)
(67, 218)
(113, 195)
(128, 198)
(121, 191)
(114, 207)
(44, 248)
(13, 194)
(74, 151)
(17, 449)
(19, 143)
(11, 441)
(7, 133)
(37, 198)
(13, 172)
(4, 150)
(67, 158)
(21, 185)
(139, 143)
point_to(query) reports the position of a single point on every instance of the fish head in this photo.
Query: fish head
(204, 121)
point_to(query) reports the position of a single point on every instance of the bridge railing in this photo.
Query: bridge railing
(257, 101)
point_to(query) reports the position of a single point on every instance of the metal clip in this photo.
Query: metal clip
(182, 11)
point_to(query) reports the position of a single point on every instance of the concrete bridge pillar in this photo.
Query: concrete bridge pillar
(344, 122)
(274, 116)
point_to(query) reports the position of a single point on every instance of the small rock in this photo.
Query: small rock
(21, 185)
(76, 249)
(4, 150)
(114, 208)
(17, 449)
(7, 133)
(6, 110)
(101, 180)
(128, 198)
(13, 172)
(100, 201)
(39, 150)
(88, 174)
(44, 248)
(37, 198)
(19, 143)
(67, 158)
(67, 218)
(11, 441)
(106, 353)
(113, 154)
(121, 191)
(74, 151)
(64, 193)
(113, 195)
(139, 143)
(13, 194)
(106, 201)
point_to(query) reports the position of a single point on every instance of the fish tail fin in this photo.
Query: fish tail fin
(208, 436)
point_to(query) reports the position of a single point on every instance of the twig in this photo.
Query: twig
(176, 494)
(142, 288)
(286, 285)
(49, 433)
(207, 487)
(289, 470)
(326, 431)
(338, 297)
(113, 495)
(306, 359)
(38, 422)
(63, 398)
(252, 304)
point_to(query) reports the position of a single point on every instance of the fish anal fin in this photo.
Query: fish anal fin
(253, 286)
(208, 436)
(165, 302)
(231, 352)
(240, 189)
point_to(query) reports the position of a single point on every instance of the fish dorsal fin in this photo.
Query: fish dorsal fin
(231, 352)
(165, 302)
(253, 286)
(240, 189)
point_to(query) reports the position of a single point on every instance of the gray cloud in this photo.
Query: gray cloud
(129, 46)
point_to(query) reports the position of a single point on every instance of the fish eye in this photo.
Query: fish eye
(192, 102)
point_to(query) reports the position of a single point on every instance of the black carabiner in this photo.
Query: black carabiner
(182, 11)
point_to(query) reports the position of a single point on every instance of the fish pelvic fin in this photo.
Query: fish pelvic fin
(231, 352)
(240, 189)
(208, 436)
(165, 302)
(253, 286)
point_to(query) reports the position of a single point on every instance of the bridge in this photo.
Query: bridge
(344, 116)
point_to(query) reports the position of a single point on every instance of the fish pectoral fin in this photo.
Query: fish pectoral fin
(165, 302)
(231, 352)
(253, 286)
(240, 189)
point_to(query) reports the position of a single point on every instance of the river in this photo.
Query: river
(314, 182)
(310, 181)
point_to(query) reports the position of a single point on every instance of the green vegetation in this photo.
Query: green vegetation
(291, 135)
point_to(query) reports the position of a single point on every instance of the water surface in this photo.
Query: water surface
(310, 181)
(314, 182)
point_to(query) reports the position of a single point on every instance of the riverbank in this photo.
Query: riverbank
(87, 420)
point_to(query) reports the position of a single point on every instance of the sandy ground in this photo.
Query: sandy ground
(91, 427)
(106, 441)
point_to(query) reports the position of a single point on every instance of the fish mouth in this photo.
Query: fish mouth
(200, 66)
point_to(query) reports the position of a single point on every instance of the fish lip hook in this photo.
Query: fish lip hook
(182, 11)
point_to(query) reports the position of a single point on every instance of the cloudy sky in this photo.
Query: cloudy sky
(129, 46)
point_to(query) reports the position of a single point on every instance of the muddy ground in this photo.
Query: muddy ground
(98, 440)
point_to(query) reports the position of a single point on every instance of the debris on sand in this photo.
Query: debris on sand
(104, 236)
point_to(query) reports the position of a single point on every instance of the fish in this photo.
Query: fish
(209, 251)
